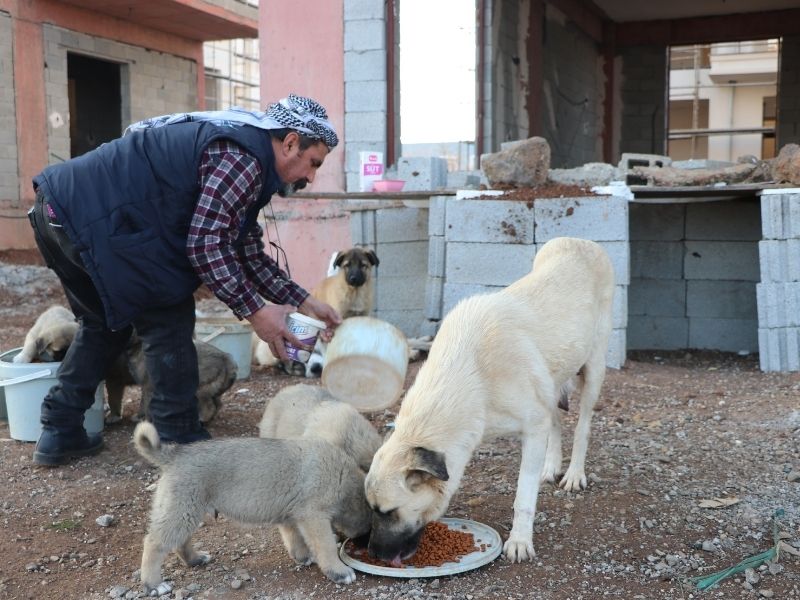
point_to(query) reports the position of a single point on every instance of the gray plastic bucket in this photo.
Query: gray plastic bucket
(231, 336)
(25, 385)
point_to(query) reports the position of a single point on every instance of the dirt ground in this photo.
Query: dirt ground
(671, 430)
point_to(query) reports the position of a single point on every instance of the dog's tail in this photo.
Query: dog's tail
(148, 444)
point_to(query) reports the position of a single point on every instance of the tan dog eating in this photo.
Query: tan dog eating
(497, 367)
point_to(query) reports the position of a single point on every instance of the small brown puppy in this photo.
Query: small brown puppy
(217, 374)
(50, 336)
(309, 485)
(350, 290)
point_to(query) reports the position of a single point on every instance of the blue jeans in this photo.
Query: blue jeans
(166, 334)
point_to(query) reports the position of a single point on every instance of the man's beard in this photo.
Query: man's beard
(287, 189)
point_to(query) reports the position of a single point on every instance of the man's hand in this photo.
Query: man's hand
(324, 312)
(269, 323)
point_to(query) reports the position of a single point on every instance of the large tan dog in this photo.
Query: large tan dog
(497, 367)
(308, 484)
(50, 336)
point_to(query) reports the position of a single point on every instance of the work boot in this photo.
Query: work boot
(188, 437)
(58, 447)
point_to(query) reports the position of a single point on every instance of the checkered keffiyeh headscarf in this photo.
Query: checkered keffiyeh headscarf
(304, 115)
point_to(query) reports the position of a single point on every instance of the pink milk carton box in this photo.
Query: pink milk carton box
(370, 169)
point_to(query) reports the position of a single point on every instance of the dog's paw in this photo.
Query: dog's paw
(302, 558)
(198, 559)
(550, 473)
(515, 550)
(155, 591)
(340, 574)
(573, 480)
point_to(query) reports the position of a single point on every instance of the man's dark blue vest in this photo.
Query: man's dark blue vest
(127, 206)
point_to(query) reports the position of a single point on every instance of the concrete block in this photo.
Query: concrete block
(362, 227)
(616, 353)
(657, 260)
(657, 297)
(728, 335)
(403, 259)
(363, 96)
(726, 221)
(778, 304)
(437, 255)
(367, 65)
(722, 260)
(364, 34)
(487, 264)
(620, 255)
(599, 218)
(455, 292)
(779, 349)
(422, 173)
(489, 221)
(437, 207)
(619, 307)
(721, 299)
(400, 293)
(434, 294)
(631, 159)
(470, 180)
(429, 327)
(407, 321)
(657, 333)
(401, 224)
(365, 127)
(779, 260)
(355, 10)
(780, 216)
(657, 221)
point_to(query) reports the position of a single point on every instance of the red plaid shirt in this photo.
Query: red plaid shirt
(230, 181)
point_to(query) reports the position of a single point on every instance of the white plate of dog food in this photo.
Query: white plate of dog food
(487, 546)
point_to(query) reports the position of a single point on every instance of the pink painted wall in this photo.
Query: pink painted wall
(302, 52)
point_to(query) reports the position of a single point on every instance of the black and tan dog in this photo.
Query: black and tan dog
(350, 289)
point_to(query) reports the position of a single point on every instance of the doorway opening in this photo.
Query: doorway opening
(95, 102)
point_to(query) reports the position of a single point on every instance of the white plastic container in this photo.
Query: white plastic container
(366, 363)
(231, 336)
(306, 330)
(370, 170)
(25, 385)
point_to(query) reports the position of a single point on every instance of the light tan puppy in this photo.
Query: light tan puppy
(308, 484)
(350, 289)
(312, 412)
(497, 367)
(50, 336)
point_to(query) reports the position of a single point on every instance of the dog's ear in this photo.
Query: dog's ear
(339, 259)
(430, 462)
(373, 258)
(41, 346)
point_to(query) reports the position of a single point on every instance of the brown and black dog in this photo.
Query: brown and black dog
(350, 290)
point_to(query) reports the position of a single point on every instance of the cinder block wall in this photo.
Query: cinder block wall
(642, 93)
(479, 246)
(779, 290)
(789, 91)
(153, 83)
(365, 78)
(9, 178)
(694, 269)
(399, 237)
(572, 93)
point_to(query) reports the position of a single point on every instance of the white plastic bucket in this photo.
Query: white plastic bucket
(25, 385)
(366, 363)
(306, 330)
(230, 336)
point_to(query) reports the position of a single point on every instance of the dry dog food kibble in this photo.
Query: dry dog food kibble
(438, 545)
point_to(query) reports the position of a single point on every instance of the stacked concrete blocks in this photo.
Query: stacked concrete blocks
(481, 246)
(365, 83)
(779, 289)
(9, 175)
(399, 236)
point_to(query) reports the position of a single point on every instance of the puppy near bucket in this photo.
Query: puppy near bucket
(366, 363)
